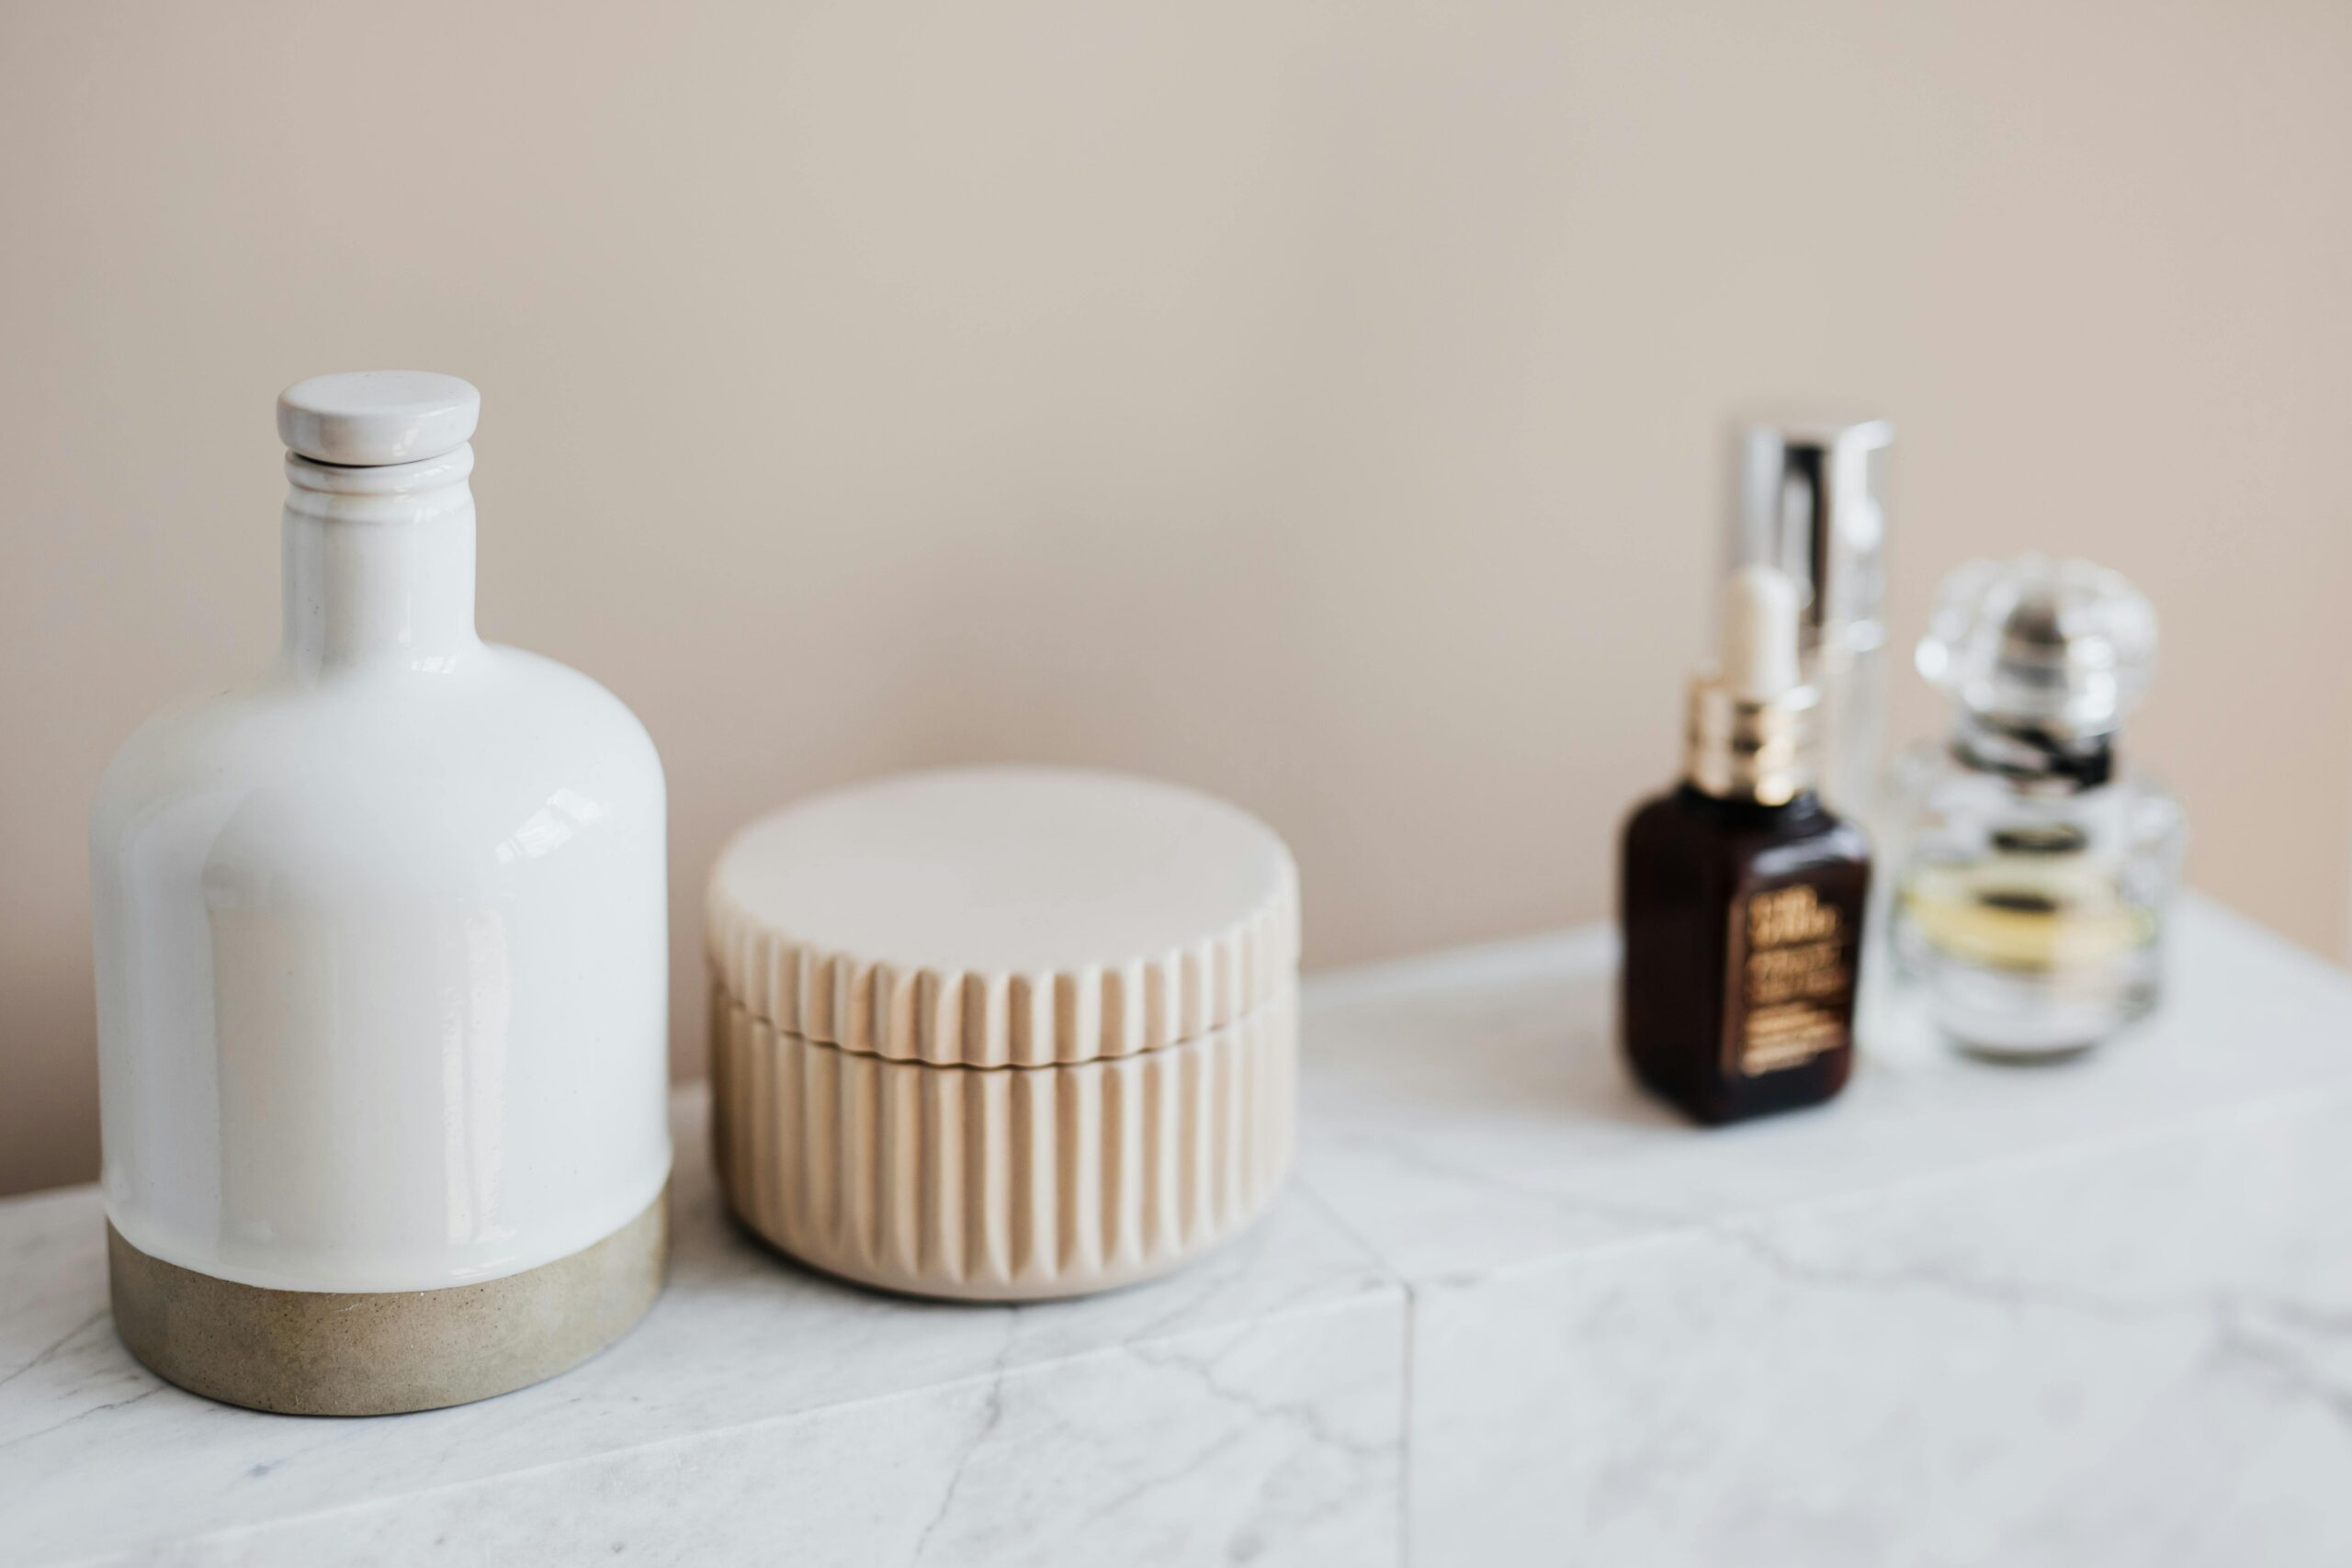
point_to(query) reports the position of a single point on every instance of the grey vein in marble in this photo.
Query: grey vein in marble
(742, 1339)
(2100, 1315)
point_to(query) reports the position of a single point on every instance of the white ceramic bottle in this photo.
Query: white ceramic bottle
(382, 969)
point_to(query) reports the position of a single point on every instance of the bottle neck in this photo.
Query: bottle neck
(379, 565)
(1745, 750)
(1736, 811)
(2036, 758)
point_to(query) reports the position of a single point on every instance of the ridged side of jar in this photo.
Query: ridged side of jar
(1002, 1184)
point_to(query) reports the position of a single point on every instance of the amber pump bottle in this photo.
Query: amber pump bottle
(1740, 894)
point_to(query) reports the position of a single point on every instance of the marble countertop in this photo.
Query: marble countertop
(1508, 1310)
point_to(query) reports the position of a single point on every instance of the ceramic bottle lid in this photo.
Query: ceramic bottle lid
(1005, 916)
(365, 419)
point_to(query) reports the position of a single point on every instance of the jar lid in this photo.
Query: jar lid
(1005, 916)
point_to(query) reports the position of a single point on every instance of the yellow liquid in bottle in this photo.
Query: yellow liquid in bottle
(2034, 914)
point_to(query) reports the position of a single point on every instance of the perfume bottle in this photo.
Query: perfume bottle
(1740, 894)
(1811, 499)
(2034, 874)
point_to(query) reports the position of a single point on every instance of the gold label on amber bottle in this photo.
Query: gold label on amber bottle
(1792, 957)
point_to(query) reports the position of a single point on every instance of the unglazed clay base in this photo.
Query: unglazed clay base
(1002, 1183)
(378, 1353)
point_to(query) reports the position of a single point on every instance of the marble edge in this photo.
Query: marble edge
(1454, 968)
(1388, 1293)
(2316, 967)
(1665, 1229)
(16, 1203)
(1592, 943)
(1577, 950)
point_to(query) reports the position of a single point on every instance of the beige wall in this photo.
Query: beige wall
(1315, 401)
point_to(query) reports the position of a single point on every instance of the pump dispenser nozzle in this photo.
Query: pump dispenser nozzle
(1759, 624)
(1749, 715)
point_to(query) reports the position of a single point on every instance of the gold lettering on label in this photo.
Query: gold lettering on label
(1789, 915)
(1796, 981)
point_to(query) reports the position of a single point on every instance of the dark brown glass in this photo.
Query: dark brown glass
(1693, 870)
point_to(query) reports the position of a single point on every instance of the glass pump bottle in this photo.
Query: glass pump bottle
(2034, 873)
(1740, 894)
(1811, 499)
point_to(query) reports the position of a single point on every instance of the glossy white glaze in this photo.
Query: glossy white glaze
(374, 417)
(381, 935)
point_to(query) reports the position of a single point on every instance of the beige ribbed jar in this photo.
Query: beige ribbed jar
(1002, 1034)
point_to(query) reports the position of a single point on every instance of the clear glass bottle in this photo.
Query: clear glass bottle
(2033, 875)
(1811, 499)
